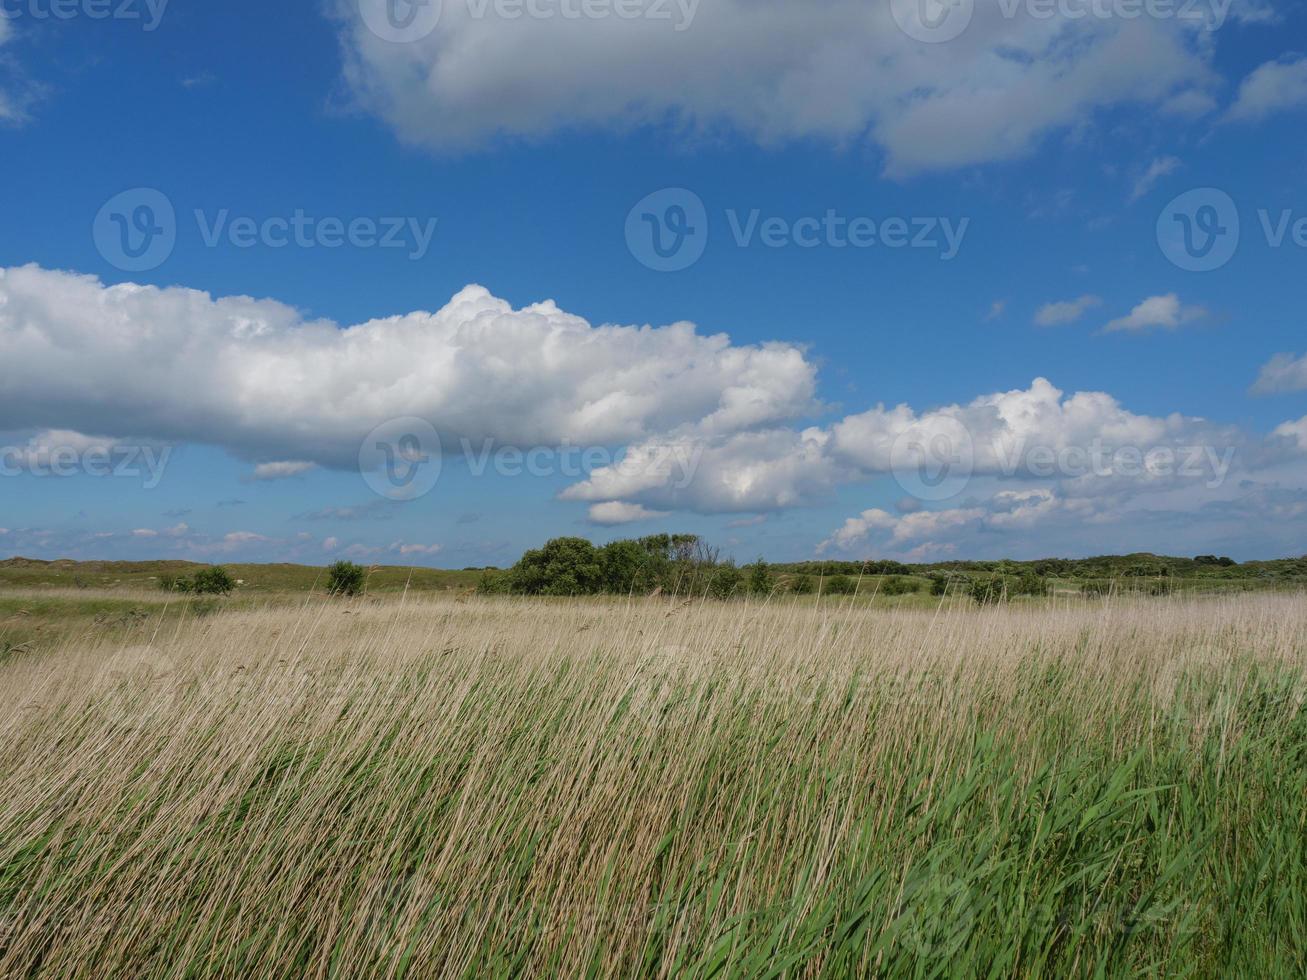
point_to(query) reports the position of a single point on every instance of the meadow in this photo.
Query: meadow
(421, 784)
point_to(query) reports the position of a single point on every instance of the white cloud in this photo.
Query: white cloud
(1281, 373)
(1066, 311)
(243, 537)
(1165, 311)
(1023, 434)
(401, 548)
(255, 377)
(927, 533)
(615, 512)
(1159, 168)
(330, 544)
(281, 470)
(834, 70)
(1275, 86)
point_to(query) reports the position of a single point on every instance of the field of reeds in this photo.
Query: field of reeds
(428, 787)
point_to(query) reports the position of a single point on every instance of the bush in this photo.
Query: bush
(988, 591)
(493, 582)
(345, 578)
(563, 567)
(897, 585)
(761, 581)
(212, 581)
(802, 585)
(840, 585)
(725, 581)
(176, 583)
(1029, 583)
(939, 583)
(624, 568)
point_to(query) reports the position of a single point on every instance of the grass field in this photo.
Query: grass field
(431, 786)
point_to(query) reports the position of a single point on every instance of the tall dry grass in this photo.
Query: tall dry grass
(484, 788)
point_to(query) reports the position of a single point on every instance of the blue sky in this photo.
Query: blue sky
(1050, 148)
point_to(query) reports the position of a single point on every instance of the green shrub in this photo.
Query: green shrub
(625, 568)
(212, 581)
(493, 582)
(725, 581)
(345, 578)
(563, 567)
(893, 585)
(988, 591)
(761, 580)
(802, 585)
(176, 583)
(840, 585)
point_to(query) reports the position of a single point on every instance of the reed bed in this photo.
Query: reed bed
(430, 787)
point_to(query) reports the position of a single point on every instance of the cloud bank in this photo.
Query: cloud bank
(842, 71)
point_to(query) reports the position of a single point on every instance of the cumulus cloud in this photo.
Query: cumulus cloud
(1065, 311)
(281, 470)
(1087, 441)
(17, 92)
(1276, 86)
(257, 378)
(408, 550)
(939, 532)
(1283, 372)
(836, 70)
(616, 512)
(1166, 312)
(1159, 168)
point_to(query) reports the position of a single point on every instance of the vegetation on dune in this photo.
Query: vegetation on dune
(207, 581)
(346, 578)
(488, 788)
(685, 565)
